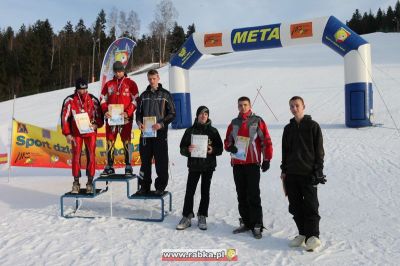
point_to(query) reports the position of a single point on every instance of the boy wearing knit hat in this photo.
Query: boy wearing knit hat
(81, 103)
(199, 167)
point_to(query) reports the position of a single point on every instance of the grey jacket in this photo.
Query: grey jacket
(158, 103)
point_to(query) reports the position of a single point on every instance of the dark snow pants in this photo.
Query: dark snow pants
(157, 147)
(191, 185)
(247, 181)
(303, 204)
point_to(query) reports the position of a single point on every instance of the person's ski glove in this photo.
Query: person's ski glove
(265, 166)
(232, 149)
(318, 178)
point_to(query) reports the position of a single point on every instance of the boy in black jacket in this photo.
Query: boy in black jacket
(203, 167)
(302, 164)
(156, 102)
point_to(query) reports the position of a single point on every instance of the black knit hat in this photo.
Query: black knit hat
(118, 66)
(81, 83)
(202, 109)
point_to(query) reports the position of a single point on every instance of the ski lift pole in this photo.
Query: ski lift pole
(255, 98)
(262, 97)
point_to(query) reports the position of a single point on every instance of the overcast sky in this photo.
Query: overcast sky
(207, 15)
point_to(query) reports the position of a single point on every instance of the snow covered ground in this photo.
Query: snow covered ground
(359, 206)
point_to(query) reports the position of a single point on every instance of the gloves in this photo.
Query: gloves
(232, 149)
(265, 166)
(318, 178)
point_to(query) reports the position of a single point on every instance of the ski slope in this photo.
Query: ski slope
(359, 205)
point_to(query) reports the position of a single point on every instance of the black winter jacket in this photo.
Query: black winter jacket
(157, 103)
(302, 147)
(214, 139)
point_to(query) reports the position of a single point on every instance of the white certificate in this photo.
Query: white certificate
(83, 123)
(242, 144)
(148, 122)
(201, 145)
(116, 110)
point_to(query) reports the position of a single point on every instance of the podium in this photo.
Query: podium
(128, 179)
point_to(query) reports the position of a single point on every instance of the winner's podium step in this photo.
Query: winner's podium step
(108, 189)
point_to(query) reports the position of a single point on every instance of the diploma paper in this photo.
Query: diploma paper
(148, 122)
(116, 110)
(242, 144)
(201, 143)
(83, 123)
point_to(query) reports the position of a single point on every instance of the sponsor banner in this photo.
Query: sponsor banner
(215, 255)
(341, 38)
(213, 39)
(33, 146)
(187, 56)
(260, 37)
(301, 30)
(3, 158)
(120, 50)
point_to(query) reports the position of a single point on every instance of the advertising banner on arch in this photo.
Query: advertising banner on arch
(34, 146)
(260, 37)
(120, 50)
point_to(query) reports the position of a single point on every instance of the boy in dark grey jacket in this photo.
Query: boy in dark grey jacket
(155, 102)
(302, 165)
(199, 167)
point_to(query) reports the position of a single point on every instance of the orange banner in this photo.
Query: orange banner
(3, 158)
(301, 30)
(33, 146)
(213, 40)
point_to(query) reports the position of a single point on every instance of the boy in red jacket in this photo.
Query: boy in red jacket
(81, 104)
(119, 90)
(247, 137)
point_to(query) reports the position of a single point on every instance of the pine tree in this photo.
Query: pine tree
(44, 32)
(84, 42)
(68, 54)
(190, 30)
(176, 38)
(389, 21)
(10, 63)
(99, 36)
(31, 65)
(397, 16)
(3, 74)
(355, 22)
(379, 20)
(371, 21)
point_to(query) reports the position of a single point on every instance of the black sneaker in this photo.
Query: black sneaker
(143, 191)
(108, 170)
(159, 192)
(128, 170)
(257, 231)
(242, 227)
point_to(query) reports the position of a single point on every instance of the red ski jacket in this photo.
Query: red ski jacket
(251, 126)
(75, 104)
(120, 91)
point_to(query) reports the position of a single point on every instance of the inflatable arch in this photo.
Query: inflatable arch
(328, 30)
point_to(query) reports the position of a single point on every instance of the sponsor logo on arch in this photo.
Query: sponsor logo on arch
(261, 37)
(213, 39)
(301, 30)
